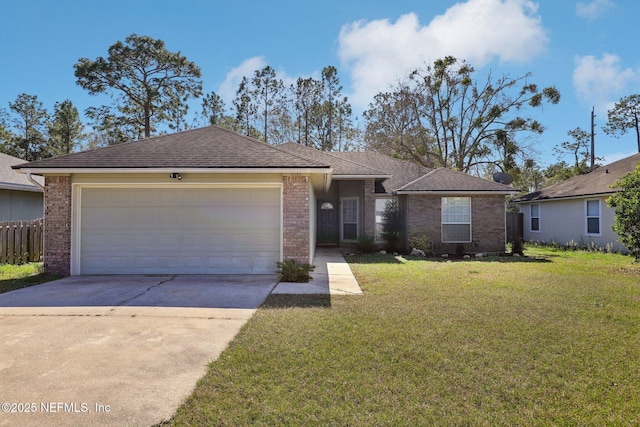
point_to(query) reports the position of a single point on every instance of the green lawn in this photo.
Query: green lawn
(548, 341)
(14, 277)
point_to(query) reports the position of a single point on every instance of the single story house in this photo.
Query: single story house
(575, 211)
(211, 201)
(20, 198)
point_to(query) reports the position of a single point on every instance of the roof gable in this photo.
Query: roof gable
(448, 180)
(599, 181)
(401, 172)
(208, 147)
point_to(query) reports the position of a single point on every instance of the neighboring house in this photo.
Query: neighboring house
(20, 199)
(575, 211)
(211, 201)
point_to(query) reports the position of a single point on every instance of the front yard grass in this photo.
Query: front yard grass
(553, 340)
(14, 277)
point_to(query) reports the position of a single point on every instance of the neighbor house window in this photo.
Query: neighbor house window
(456, 219)
(381, 205)
(593, 216)
(350, 218)
(535, 217)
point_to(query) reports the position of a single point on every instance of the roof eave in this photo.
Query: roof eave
(578, 196)
(460, 192)
(234, 170)
(336, 176)
(19, 187)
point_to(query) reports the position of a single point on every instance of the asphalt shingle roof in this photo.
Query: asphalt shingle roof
(599, 181)
(216, 147)
(442, 179)
(13, 180)
(208, 147)
(404, 176)
(401, 172)
(340, 165)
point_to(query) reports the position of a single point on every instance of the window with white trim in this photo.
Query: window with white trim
(593, 217)
(535, 216)
(381, 206)
(456, 219)
(350, 218)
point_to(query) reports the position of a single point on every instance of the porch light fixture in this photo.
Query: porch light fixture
(175, 175)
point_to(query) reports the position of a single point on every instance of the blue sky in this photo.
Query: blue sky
(588, 49)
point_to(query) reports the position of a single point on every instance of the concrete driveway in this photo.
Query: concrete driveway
(125, 350)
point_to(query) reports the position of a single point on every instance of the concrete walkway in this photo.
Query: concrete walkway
(332, 275)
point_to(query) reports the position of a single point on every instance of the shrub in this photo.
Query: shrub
(392, 225)
(290, 271)
(626, 203)
(421, 242)
(517, 246)
(366, 244)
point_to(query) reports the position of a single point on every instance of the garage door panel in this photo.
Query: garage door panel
(186, 231)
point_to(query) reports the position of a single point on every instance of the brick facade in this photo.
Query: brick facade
(487, 223)
(369, 206)
(423, 217)
(57, 225)
(295, 216)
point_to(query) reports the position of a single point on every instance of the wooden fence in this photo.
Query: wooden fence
(21, 241)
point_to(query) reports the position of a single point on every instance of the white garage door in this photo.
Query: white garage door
(179, 231)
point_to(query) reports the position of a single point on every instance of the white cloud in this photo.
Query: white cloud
(481, 30)
(593, 9)
(601, 81)
(229, 86)
(377, 53)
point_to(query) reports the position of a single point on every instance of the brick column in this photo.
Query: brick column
(369, 207)
(57, 225)
(295, 216)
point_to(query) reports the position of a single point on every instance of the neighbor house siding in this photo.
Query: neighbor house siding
(424, 216)
(57, 225)
(564, 222)
(296, 218)
(20, 205)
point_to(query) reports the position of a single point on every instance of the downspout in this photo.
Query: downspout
(36, 183)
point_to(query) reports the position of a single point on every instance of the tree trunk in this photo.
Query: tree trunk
(638, 132)
(147, 121)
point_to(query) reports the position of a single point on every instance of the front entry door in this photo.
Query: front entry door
(328, 222)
